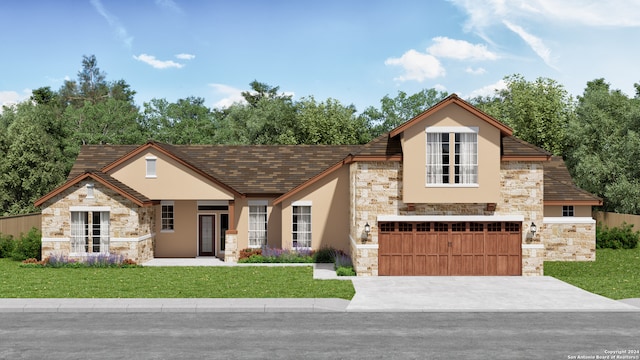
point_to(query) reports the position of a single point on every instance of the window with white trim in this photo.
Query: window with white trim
(90, 194)
(151, 166)
(167, 216)
(464, 161)
(89, 231)
(301, 226)
(567, 210)
(257, 225)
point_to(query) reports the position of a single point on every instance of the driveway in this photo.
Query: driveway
(478, 293)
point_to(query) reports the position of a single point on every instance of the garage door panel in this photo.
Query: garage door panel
(407, 244)
(395, 244)
(407, 265)
(420, 245)
(491, 243)
(395, 265)
(443, 244)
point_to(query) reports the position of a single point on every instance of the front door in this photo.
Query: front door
(207, 238)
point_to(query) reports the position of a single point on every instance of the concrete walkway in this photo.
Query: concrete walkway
(373, 294)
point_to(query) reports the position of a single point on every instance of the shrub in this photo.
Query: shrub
(275, 255)
(28, 246)
(247, 253)
(342, 260)
(345, 271)
(325, 254)
(6, 245)
(617, 237)
(92, 260)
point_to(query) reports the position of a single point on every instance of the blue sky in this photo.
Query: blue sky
(355, 51)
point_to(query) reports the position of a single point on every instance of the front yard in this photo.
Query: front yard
(167, 282)
(615, 273)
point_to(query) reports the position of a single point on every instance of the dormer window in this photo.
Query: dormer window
(447, 167)
(151, 166)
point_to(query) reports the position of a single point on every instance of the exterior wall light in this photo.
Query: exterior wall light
(533, 228)
(367, 230)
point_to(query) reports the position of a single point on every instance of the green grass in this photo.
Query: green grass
(615, 273)
(168, 282)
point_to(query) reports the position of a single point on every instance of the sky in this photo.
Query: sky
(355, 51)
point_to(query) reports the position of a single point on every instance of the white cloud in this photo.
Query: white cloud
(614, 13)
(478, 71)
(417, 66)
(170, 5)
(445, 47)
(120, 30)
(534, 42)
(158, 64)
(185, 56)
(230, 95)
(8, 98)
(440, 87)
(488, 90)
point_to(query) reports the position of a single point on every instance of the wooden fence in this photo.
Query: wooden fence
(610, 219)
(19, 224)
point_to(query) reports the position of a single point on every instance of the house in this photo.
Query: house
(450, 192)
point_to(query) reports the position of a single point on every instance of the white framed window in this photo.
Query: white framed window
(151, 166)
(439, 159)
(89, 232)
(257, 224)
(167, 216)
(301, 225)
(567, 210)
(90, 194)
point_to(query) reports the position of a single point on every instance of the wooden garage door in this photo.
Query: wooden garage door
(439, 248)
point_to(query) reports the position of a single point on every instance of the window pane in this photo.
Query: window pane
(301, 226)
(466, 158)
(167, 217)
(151, 167)
(257, 225)
(437, 158)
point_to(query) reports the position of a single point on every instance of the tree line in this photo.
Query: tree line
(597, 133)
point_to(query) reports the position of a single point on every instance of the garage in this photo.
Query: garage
(449, 248)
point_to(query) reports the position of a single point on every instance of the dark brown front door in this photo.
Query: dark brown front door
(206, 235)
(433, 248)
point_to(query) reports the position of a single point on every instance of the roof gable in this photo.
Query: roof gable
(105, 180)
(453, 100)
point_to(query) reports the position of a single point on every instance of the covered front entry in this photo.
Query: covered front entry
(449, 248)
(206, 235)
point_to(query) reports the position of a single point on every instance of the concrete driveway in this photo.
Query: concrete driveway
(465, 293)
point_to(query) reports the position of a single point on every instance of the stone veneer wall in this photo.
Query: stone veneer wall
(569, 241)
(130, 226)
(376, 189)
(231, 246)
(521, 193)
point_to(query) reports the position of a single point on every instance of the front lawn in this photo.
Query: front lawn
(615, 273)
(168, 282)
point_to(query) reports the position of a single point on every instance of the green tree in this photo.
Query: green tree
(329, 122)
(35, 156)
(187, 121)
(99, 111)
(397, 110)
(538, 111)
(604, 145)
(272, 120)
(260, 91)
